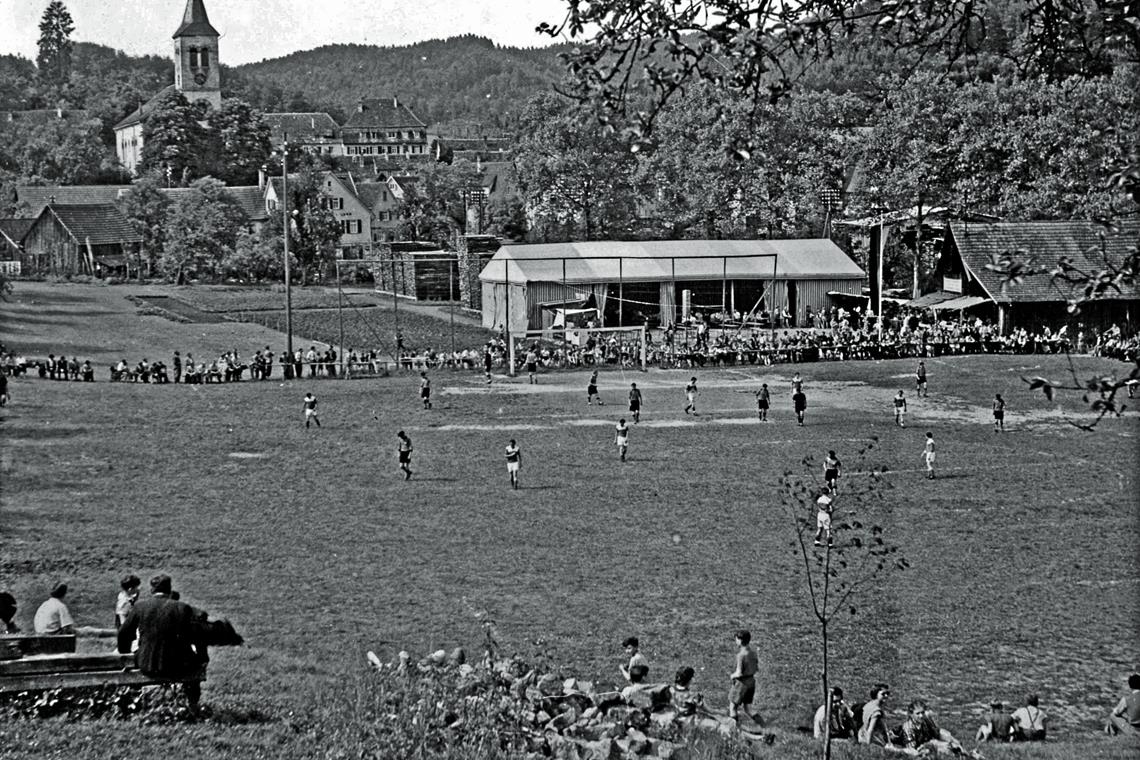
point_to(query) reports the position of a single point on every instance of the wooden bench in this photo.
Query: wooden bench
(23, 644)
(73, 671)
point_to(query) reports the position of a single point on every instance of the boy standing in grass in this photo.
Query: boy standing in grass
(514, 463)
(831, 467)
(999, 413)
(799, 404)
(622, 438)
(920, 379)
(425, 390)
(404, 449)
(311, 410)
(928, 455)
(763, 401)
(743, 677)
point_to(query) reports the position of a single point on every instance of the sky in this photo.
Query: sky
(253, 30)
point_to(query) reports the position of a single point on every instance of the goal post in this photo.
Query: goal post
(583, 347)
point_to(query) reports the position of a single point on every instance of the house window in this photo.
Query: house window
(351, 226)
(338, 203)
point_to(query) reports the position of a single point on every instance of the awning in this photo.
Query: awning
(959, 304)
(932, 299)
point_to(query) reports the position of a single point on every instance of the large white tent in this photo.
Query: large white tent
(651, 278)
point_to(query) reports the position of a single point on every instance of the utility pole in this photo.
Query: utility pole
(285, 239)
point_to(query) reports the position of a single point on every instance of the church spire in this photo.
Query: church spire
(195, 22)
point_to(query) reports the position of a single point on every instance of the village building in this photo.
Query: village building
(338, 195)
(79, 239)
(525, 287)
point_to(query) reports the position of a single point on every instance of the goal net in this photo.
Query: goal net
(573, 348)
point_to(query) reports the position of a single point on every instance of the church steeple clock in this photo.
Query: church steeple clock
(197, 74)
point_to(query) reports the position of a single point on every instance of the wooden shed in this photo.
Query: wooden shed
(79, 239)
(418, 270)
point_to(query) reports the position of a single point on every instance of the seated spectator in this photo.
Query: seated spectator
(872, 724)
(637, 675)
(8, 613)
(685, 699)
(88, 372)
(128, 595)
(919, 733)
(841, 717)
(1029, 721)
(998, 727)
(53, 617)
(1125, 717)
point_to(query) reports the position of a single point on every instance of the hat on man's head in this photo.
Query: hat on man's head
(161, 584)
(59, 590)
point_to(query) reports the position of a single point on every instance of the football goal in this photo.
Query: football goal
(579, 347)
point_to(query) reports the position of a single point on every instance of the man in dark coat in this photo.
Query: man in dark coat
(167, 633)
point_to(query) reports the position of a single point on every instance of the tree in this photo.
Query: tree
(57, 150)
(147, 210)
(201, 230)
(54, 56)
(854, 554)
(572, 170)
(240, 138)
(507, 218)
(174, 141)
(314, 230)
(258, 255)
(435, 206)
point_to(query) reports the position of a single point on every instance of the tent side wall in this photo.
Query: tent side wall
(495, 298)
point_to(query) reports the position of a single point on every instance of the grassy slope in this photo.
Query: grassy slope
(1024, 577)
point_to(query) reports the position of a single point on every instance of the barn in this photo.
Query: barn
(663, 281)
(967, 284)
(80, 239)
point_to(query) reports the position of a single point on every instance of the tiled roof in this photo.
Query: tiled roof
(15, 229)
(370, 193)
(195, 22)
(250, 198)
(1046, 243)
(141, 112)
(500, 179)
(308, 127)
(98, 223)
(382, 112)
(38, 196)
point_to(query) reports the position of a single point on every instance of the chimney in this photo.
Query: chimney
(261, 178)
(313, 122)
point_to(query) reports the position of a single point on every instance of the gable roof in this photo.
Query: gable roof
(1046, 242)
(195, 22)
(140, 113)
(14, 230)
(99, 223)
(382, 112)
(308, 126)
(250, 198)
(667, 260)
(371, 193)
(38, 196)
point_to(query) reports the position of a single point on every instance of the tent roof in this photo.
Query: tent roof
(961, 303)
(1046, 243)
(667, 260)
(931, 299)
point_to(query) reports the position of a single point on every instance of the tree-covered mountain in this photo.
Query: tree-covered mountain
(461, 78)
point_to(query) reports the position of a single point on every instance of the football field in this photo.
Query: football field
(1023, 572)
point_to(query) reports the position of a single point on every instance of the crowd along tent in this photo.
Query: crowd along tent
(1038, 300)
(662, 281)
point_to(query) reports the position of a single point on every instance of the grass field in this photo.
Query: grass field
(1024, 551)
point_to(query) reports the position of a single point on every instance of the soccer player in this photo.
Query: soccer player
(799, 405)
(514, 463)
(425, 390)
(824, 505)
(488, 361)
(311, 410)
(999, 413)
(928, 455)
(920, 379)
(900, 409)
(797, 383)
(635, 402)
(592, 390)
(404, 449)
(622, 438)
(763, 401)
(691, 396)
(532, 364)
(831, 467)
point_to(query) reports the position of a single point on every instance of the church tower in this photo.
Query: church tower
(197, 72)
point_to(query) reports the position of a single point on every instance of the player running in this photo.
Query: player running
(824, 504)
(425, 390)
(928, 455)
(900, 410)
(831, 467)
(691, 396)
(514, 463)
(532, 364)
(763, 401)
(635, 402)
(999, 413)
(404, 449)
(311, 410)
(592, 390)
(920, 380)
(622, 438)
(488, 362)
